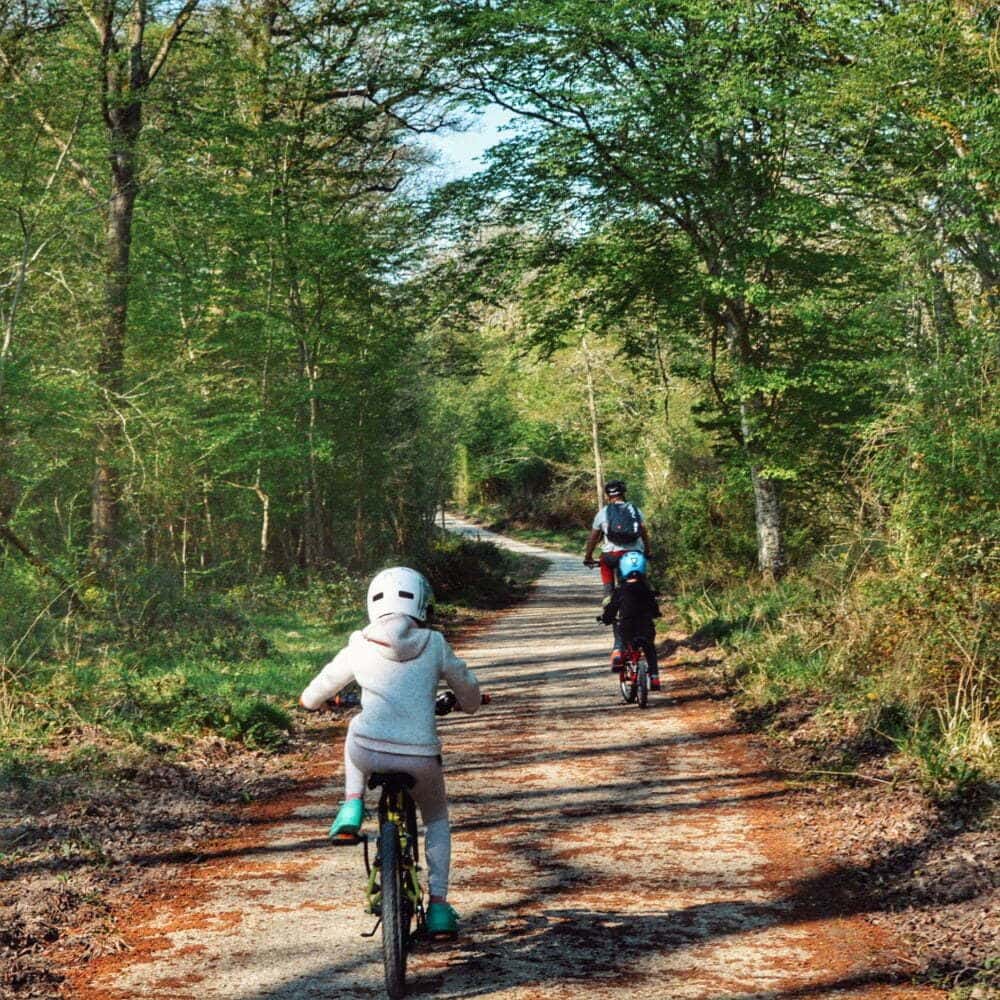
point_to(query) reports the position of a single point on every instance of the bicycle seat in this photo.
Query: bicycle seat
(393, 781)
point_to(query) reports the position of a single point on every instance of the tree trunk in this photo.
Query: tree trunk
(312, 534)
(125, 75)
(124, 129)
(8, 313)
(766, 491)
(767, 514)
(594, 437)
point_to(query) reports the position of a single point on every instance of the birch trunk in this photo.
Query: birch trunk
(766, 490)
(594, 436)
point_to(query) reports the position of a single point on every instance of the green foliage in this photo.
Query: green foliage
(476, 574)
(904, 660)
(168, 665)
(159, 665)
(759, 240)
(931, 464)
(706, 533)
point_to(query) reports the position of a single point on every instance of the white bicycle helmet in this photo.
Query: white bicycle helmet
(399, 591)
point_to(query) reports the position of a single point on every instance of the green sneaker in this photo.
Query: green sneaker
(441, 919)
(349, 819)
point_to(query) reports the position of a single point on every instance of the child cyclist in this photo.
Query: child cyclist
(631, 610)
(398, 663)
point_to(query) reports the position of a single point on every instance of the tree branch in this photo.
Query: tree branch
(104, 33)
(8, 536)
(170, 37)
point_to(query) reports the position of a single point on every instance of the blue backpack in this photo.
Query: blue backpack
(622, 523)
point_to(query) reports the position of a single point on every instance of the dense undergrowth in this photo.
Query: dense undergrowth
(891, 618)
(153, 667)
(896, 663)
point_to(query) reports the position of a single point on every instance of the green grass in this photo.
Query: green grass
(167, 669)
(561, 539)
(888, 660)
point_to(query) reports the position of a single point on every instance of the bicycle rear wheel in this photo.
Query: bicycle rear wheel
(642, 683)
(395, 912)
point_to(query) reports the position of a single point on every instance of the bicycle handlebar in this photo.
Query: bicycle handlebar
(591, 563)
(447, 702)
(444, 703)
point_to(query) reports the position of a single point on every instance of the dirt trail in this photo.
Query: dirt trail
(600, 851)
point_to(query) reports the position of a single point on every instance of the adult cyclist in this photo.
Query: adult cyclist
(620, 527)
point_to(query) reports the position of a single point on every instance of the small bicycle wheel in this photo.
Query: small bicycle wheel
(395, 912)
(642, 683)
(628, 684)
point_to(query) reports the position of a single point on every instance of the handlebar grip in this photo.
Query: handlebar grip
(447, 702)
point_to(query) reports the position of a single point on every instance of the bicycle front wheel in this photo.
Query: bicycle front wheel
(642, 683)
(628, 685)
(395, 919)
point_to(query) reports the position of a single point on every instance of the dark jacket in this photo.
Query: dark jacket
(635, 607)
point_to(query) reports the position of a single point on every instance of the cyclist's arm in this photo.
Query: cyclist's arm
(647, 545)
(461, 680)
(653, 605)
(337, 674)
(595, 537)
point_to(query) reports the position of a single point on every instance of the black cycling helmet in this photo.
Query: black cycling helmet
(614, 488)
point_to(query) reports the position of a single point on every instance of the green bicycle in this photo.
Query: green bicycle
(394, 894)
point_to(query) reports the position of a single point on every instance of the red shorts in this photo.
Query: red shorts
(609, 563)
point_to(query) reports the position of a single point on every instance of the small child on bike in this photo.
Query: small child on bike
(632, 610)
(398, 662)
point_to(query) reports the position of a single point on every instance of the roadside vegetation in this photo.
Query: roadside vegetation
(166, 669)
(886, 622)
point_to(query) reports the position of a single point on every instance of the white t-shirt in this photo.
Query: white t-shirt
(601, 524)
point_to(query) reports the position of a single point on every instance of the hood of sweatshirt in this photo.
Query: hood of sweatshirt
(398, 636)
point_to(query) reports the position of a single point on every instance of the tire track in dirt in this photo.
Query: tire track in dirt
(599, 851)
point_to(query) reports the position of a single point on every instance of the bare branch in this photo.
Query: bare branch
(170, 37)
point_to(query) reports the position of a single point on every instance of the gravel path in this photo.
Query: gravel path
(600, 851)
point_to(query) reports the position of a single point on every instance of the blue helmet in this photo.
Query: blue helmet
(632, 562)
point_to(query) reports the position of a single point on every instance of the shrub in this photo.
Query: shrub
(478, 574)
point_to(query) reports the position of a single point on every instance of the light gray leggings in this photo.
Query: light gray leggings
(428, 793)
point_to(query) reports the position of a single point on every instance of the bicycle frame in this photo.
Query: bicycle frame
(397, 807)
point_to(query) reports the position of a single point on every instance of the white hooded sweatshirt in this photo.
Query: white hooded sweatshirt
(398, 665)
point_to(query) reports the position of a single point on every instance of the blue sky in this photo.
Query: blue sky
(460, 152)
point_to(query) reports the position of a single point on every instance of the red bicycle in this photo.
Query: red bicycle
(634, 678)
